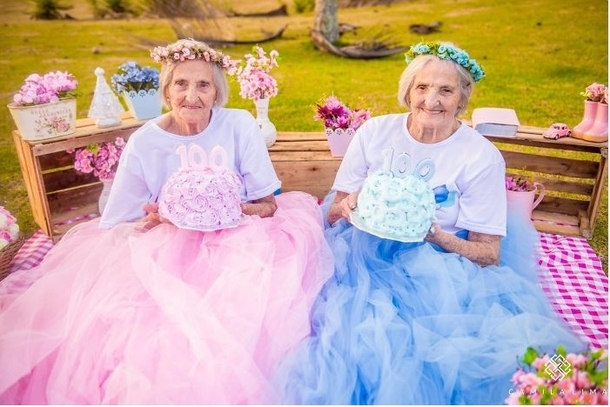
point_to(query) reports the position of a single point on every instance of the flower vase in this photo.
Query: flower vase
(339, 140)
(39, 122)
(103, 199)
(262, 118)
(143, 104)
(524, 202)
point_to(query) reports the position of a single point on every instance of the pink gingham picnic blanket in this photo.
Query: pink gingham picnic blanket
(575, 283)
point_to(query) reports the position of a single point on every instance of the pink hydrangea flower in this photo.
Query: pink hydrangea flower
(101, 159)
(51, 87)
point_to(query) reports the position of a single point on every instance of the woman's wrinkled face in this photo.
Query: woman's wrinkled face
(191, 92)
(435, 95)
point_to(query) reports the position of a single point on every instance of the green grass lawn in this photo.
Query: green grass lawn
(538, 55)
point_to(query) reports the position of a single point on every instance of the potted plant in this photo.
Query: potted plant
(521, 195)
(340, 123)
(45, 106)
(257, 84)
(102, 160)
(139, 87)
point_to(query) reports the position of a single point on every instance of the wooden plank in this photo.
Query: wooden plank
(314, 177)
(556, 229)
(52, 161)
(551, 165)
(563, 206)
(86, 127)
(310, 145)
(564, 185)
(300, 136)
(596, 195)
(303, 156)
(32, 175)
(76, 142)
(65, 178)
(545, 143)
(549, 222)
(70, 200)
(532, 136)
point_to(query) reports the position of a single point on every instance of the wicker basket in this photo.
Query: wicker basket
(7, 254)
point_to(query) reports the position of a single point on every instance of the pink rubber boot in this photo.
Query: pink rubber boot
(588, 120)
(598, 133)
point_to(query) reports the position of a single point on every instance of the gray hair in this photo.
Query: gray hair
(407, 77)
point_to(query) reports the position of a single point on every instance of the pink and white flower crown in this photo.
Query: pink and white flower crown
(190, 49)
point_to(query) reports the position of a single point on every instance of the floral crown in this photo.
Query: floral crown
(445, 50)
(189, 49)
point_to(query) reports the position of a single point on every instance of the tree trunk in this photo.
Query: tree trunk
(326, 19)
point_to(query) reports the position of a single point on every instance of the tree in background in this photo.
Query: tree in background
(326, 19)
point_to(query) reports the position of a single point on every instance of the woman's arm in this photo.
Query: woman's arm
(479, 248)
(263, 207)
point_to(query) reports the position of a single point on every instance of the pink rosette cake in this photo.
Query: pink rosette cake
(203, 200)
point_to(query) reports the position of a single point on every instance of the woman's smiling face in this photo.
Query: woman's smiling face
(435, 95)
(191, 92)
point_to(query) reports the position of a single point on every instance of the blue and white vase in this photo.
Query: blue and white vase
(143, 104)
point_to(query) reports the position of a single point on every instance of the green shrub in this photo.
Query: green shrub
(48, 10)
(304, 6)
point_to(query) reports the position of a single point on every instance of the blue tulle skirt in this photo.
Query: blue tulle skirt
(405, 323)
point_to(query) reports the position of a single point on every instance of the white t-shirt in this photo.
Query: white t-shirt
(231, 140)
(466, 170)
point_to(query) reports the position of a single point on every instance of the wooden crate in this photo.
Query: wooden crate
(59, 195)
(574, 186)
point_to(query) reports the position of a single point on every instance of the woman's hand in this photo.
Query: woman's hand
(152, 217)
(479, 248)
(342, 206)
(264, 207)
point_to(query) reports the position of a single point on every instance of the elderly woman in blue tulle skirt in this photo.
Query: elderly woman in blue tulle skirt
(443, 320)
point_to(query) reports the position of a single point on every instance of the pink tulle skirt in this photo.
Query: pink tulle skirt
(167, 316)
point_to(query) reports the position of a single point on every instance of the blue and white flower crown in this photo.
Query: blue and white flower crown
(190, 49)
(447, 51)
